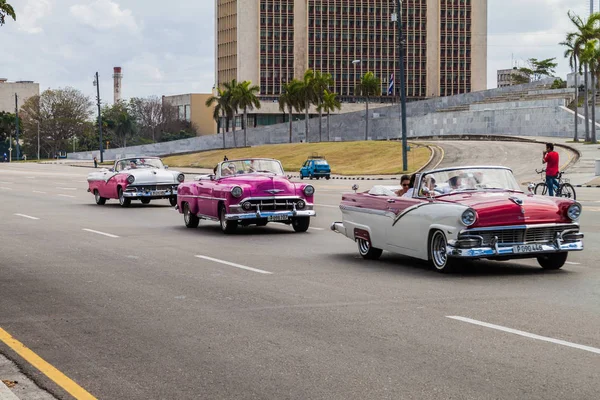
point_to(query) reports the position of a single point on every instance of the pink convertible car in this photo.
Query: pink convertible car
(246, 192)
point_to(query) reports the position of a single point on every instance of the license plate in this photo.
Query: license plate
(158, 192)
(277, 218)
(527, 248)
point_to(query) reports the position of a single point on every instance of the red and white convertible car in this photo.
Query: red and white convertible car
(136, 178)
(462, 213)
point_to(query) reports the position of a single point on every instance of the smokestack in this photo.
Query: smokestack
(117, 76)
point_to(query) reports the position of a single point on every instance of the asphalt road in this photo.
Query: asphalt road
(141, 316)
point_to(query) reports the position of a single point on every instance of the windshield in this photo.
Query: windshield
(251, 166)
(321, 162)
(468, 179)
(135, 163)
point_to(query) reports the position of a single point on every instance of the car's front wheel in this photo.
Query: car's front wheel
(99, 199)
(367, 251)
(173, 201)
(301, 224)
(553, 261)
(123, 201)
(191, 220)
(226, 225)
(438, 256)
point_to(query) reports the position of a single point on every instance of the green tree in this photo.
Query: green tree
(118, 124)
(233, 107)
(244, 97)
(221, 111)
(6, 10)
(321, 83)
(519, 79)
(591, 56)
(368, 87)
(289, 100)
(330, 103)
(62, 114)
(7, 130)
(572, 53)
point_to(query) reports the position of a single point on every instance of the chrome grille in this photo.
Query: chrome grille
(274, 204)
(144, 188)
(531, 234)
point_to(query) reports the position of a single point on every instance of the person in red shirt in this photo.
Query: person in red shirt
(551, 159)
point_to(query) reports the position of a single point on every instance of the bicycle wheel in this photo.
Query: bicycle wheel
(567, 190)
(541, 189)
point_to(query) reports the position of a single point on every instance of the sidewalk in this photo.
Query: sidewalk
(582, 172)
(15, 385)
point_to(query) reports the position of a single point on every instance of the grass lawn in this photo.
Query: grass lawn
(345, 158)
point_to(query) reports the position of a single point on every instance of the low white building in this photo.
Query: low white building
(580, 80)
(23, 89)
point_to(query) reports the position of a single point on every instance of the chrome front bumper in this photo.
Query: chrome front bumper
(272, 215)
(500, 251)
(151, 194)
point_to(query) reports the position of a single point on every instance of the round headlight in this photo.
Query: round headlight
(247, 206)
(130, 179)
(574, 211)
(309, 190)
(468, 217)
(237, 192)
(300, 204)
(180, 178)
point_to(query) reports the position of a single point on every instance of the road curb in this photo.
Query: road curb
(6, 393)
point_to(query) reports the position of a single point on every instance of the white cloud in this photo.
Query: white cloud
(104, 15)
(32, 14)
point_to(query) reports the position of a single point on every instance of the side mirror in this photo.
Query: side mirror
(531, 188)
(355, 187)
(213, 177)
(166, 167)
(111, 170)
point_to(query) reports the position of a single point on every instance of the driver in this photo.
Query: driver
(132, 164)
(230, 170)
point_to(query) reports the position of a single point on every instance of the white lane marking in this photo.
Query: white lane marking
(316, 229)
(5, 188)
(66, 188)
(326, 205)
(100, 233)
(65, 195)
(37, 191)
(6, 183)
(260, 271)
(527, 334)
(30, 177)
(572, 263)
(26, 216)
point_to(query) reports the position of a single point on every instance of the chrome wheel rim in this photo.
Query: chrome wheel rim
(186, 214)
(438, 250)
(121, 197)
(223, 220)
(97, 196)
(363, 246)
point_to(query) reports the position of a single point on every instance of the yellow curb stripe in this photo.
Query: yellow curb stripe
(55, 375)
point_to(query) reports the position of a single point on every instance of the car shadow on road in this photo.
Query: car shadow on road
(131, 206)
(467, 268)
(213, 229)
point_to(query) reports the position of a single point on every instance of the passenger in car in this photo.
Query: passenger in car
(405, 182)
(411, 186)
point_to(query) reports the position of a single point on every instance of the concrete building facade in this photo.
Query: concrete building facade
(270, 42)
(23, 89)
(192, 108)
(505, 77)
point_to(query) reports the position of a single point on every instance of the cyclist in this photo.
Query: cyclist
(551, 158)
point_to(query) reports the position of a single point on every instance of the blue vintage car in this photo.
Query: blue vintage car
(315, 167)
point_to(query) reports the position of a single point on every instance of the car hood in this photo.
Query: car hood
(257, 185)
(510, 208)
(152, 176)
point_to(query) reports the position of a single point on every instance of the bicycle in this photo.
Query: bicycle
(564, 189)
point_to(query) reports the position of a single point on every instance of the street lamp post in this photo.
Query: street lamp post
(398, 17)
(97, 84)
(17, 124)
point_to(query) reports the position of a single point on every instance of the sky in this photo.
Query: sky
(167, 48)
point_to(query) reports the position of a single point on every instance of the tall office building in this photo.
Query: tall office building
(270, 42)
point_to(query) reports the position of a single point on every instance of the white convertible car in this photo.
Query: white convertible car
(136, 178)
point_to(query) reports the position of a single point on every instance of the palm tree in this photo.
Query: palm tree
(330, 103)
(288, 100)
(6, 9)
(221, 110)
(573, 53)
(590, 55)
(245, 98)
(232, 109)
(306, 96)
(369, 86)
(321, 83)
